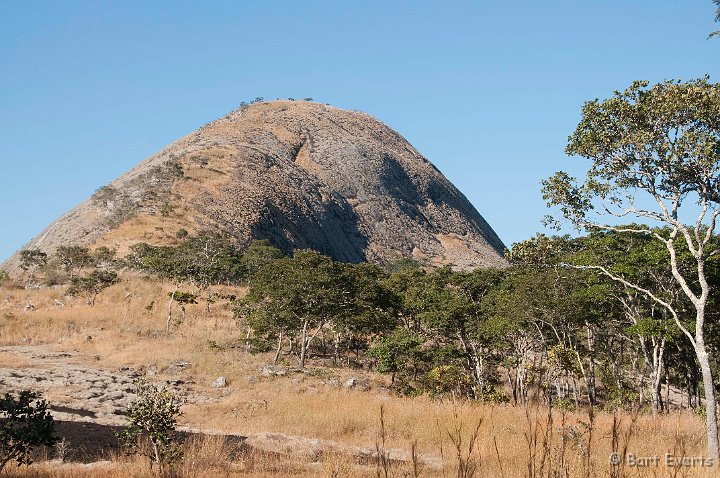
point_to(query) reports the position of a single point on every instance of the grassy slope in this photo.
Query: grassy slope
(126, 331)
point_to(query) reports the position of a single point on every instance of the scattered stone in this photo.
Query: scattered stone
(219, 382)
(273, 370)
(82, 393)
(115, 395)
(354, 382)
(177, 367)
(129, 371)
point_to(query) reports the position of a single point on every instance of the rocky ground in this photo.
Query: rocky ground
(89, 405)
(76, 391)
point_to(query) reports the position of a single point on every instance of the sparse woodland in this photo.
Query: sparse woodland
(546, 333)
(583, 346)
(547, 328)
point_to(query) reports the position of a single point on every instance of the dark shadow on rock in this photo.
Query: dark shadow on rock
(334, 231)
(403, 189)
(74, 411)
(86, 442)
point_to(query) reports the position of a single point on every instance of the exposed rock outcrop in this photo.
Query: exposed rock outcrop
(303, 175)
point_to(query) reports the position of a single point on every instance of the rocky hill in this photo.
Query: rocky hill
(300, 174)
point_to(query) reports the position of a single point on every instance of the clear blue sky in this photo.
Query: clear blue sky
(487, 90)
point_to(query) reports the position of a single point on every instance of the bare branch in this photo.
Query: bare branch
(640, 289)
(670, 244)
(711, 227)
(605, 227)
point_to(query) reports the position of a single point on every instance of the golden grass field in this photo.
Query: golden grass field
(126, 328)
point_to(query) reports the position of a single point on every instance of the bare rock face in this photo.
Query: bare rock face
(300, 174)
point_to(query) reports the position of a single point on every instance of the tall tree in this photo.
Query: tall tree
(645, 262)
(92, 284)
(257, 254)
(73, 257)
(655, 156)
(30, 260)
(296, 296)
(571, 309)
(365, 307)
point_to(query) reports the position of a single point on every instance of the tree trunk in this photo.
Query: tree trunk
(306, 339)
(156, 454)
(513, 385)
(710, 402)
(279, 349)
(590, 378)
(474, 362)
(170, 303)
(656, 396)
(336, 349)
(575, 393)
(303, 345)
(208, 298)
(658, 372)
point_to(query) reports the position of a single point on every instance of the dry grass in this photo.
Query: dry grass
(214, 456)
(122, 329)
(11, 360)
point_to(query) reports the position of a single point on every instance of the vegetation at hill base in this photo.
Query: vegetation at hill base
(547, 327)
(622, 318)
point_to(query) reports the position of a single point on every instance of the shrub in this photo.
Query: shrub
(25, 424)
(104, 196)
(166, 209)
(92, 284)
(151, 428)
(31, 260)
(448, 379)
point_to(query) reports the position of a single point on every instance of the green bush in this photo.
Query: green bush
(151, 429)
(25, 424)
(92, 284)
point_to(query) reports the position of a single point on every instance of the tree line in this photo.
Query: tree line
(608, 318)
(550, 325)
